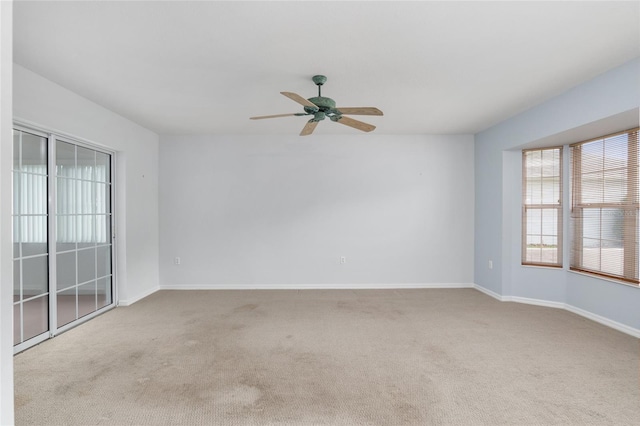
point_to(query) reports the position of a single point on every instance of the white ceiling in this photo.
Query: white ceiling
(432, 67)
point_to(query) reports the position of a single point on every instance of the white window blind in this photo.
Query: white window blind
(604, 206)
(542, 207)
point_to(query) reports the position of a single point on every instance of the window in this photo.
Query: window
(604, 206)
(542, 207)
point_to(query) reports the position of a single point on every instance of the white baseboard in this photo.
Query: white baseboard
(368, 286)
(517, 299)
(488, 292)
(131, 301)
(559, 305)
(537, 302)
(604, 321)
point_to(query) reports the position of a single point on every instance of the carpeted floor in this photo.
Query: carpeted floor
(331, 357)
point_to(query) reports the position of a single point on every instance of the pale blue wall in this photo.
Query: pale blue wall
(498, 186)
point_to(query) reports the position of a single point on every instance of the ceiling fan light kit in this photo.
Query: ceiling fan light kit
(322, 107)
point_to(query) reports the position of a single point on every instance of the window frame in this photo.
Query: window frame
(558, 206)
(630, 208)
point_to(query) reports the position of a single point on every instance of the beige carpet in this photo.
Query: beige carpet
(331, 357)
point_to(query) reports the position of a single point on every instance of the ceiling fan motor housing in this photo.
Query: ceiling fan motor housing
(323, 104)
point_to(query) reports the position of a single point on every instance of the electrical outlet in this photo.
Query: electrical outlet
(491, 264)
(176, 260)
(343, 259)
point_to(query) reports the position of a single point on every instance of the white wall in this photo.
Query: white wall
(280, 211)
(600, 106)
(6, 250)
(43, 103)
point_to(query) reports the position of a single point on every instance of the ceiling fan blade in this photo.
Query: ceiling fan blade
(309, 128)
(360, 111)
(347, 121)
(299, 99)
(272, 116)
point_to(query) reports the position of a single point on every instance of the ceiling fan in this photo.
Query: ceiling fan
(321, 107)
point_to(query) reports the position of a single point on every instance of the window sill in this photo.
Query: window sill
(553, 268)
(585, 274)
(598, 277)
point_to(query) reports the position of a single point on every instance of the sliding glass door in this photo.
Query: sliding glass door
(62, 232)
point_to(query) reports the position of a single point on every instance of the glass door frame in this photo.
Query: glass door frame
(52, 139)
(47, 333)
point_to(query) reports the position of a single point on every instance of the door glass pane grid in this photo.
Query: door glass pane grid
(30, 236)
(83, 231)
(66, 306)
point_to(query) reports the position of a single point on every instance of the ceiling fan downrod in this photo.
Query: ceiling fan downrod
(319, 80)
